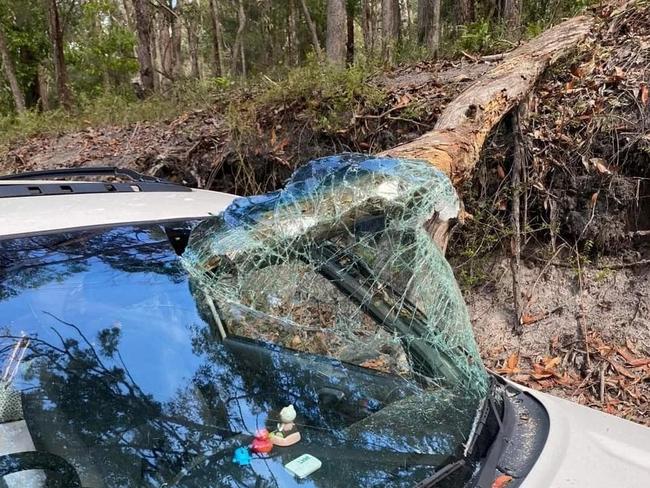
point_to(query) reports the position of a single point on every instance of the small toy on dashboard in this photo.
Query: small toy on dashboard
(242, 456)
(286, 433)
(262, 443)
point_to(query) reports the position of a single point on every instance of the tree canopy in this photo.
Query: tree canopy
(65, 52)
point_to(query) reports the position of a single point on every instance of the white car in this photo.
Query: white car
(151, 333)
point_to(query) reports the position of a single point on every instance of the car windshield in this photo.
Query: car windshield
(141, 368)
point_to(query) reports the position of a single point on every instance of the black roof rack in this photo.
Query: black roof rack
(87, 171)
(139, 182)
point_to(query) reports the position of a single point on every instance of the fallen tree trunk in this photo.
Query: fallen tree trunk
(455, 143)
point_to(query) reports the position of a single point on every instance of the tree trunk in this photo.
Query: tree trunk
(292, 35)
(349, 47)
(465, 13)
(511, 15)
(60, 70)
(142, 14)
(126, 13)
(237, 48)
(42, 85)
(368, 26)
(218, 66)
(10, 74)
(175, 29)
(312, 29)
(390, 27)
(267, 31)
(193, 47)
(155, 49)
(336, 32)
(165, 45)
(455, 143)
(429, 25)
(405, 7)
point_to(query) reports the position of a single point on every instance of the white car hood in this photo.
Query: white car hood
(590, 449)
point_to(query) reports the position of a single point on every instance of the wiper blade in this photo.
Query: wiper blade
(489, 454)
(441, 474)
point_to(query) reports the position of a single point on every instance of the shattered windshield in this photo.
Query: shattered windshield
(283, 349)
(274, 267)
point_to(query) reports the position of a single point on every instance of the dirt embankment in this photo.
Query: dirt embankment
(585, 274)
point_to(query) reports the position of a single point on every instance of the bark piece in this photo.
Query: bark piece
(454, 145)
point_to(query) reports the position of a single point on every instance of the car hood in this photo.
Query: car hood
(588, 448)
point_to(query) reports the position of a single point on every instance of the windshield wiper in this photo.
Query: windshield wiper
(487, 442)
(441, 474)
(430, 360)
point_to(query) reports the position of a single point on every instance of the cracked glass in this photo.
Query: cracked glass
(125, 364)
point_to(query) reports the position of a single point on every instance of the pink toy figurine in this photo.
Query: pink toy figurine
(286, 433)
(262, 443)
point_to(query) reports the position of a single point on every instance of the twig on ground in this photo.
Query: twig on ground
(515, 242)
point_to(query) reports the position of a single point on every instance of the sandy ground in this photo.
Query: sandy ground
(615, 303)
(612, 308)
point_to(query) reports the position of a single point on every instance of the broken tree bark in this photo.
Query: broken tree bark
(455, 143)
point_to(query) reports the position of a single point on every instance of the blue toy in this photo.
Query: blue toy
(242, 456)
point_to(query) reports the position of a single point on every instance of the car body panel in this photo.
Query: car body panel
(585, 447)
(588, 448)
(48, 213)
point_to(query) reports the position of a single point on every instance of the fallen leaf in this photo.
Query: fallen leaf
(540, 376)
(622, 370)
(600, 166)
(626, 354)
(513, 361)
(527, 319)
(551, 363)
(402, 101)
(502, 481)
(378, 364)
(639, 363)
(501, 172)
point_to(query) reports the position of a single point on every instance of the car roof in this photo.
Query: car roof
(28, 215)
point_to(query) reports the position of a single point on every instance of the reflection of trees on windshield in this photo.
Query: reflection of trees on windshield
(90, 397)
(86, 396)
(34, 261)
(88, 402)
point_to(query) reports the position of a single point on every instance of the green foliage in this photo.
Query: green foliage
(101, 55)
(25, 27)
(484, 36)
(329, 95)
(116, 107)
(99, 43)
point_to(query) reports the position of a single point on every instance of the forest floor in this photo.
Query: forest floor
(585, 273)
